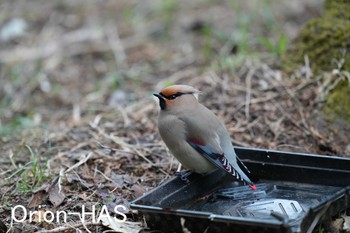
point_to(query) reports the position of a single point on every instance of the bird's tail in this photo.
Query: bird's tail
(237, 172)
(241, 164)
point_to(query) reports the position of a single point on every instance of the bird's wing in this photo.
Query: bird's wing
(217, 158)
(216, 148)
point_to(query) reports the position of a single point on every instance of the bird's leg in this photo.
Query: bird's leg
(179, 168)
(183, 175)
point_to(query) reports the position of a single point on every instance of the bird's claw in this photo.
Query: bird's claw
(183, 175)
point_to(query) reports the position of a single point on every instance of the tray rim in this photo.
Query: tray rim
(274, 223)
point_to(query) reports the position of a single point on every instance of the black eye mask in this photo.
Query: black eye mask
(173, 96)
(162, 98)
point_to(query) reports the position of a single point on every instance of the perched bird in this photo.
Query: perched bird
(194, 135)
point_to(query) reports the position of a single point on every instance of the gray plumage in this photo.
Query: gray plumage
(184, 122)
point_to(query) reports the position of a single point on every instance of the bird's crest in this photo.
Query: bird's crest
(178, 90)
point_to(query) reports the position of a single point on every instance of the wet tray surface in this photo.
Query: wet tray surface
(270, 201)
(290, 201)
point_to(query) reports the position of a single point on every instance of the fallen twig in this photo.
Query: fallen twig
(69, 227)
(81, 161)
(249, 89)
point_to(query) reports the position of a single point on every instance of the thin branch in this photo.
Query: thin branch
(249, 90)
(69, 227)
(116, 44)
(81, 161)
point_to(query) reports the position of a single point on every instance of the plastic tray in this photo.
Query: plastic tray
(294, 192)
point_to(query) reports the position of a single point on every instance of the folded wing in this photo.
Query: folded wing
(219, 160)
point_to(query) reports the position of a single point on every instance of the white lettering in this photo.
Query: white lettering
(83, 214)
(19, 214)
(58, 216)
(120, 213)
(13, 213)
(51, 218)
(103, 213)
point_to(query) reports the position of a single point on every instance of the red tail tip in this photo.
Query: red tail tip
(252, 186)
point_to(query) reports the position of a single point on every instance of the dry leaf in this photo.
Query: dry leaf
(3, 227)
(86, 172)
(346, 225)
(124, 227)
(337, 224)
(121, 180)
(56, 196)
(75, 177)
(37, 199)
(38, 216)
(138, 190)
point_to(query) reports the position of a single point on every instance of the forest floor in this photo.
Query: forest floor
(77, 115)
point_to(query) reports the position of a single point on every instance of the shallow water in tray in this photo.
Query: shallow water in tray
(281, 200)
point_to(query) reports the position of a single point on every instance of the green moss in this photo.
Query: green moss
(326, 42)
(323, 40)
(338, 8)
(338, 102)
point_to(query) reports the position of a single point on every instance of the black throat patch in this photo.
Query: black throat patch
(162, 104)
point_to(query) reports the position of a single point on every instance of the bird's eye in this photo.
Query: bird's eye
(172, 97)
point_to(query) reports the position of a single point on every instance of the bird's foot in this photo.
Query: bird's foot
(183, 175)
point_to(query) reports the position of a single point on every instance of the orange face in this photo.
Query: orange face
(168, 91)
(168, 95)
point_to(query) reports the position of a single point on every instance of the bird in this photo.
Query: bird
(195, 135)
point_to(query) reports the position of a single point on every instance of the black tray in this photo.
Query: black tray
(294, 192)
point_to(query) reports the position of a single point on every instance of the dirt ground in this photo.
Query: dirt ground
(77, 116)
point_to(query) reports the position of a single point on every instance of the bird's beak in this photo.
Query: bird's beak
(162, 102)
(157, 95)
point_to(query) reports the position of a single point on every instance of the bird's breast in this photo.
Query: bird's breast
(173, 132)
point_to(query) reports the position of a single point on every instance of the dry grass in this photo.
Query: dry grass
(78, 123)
